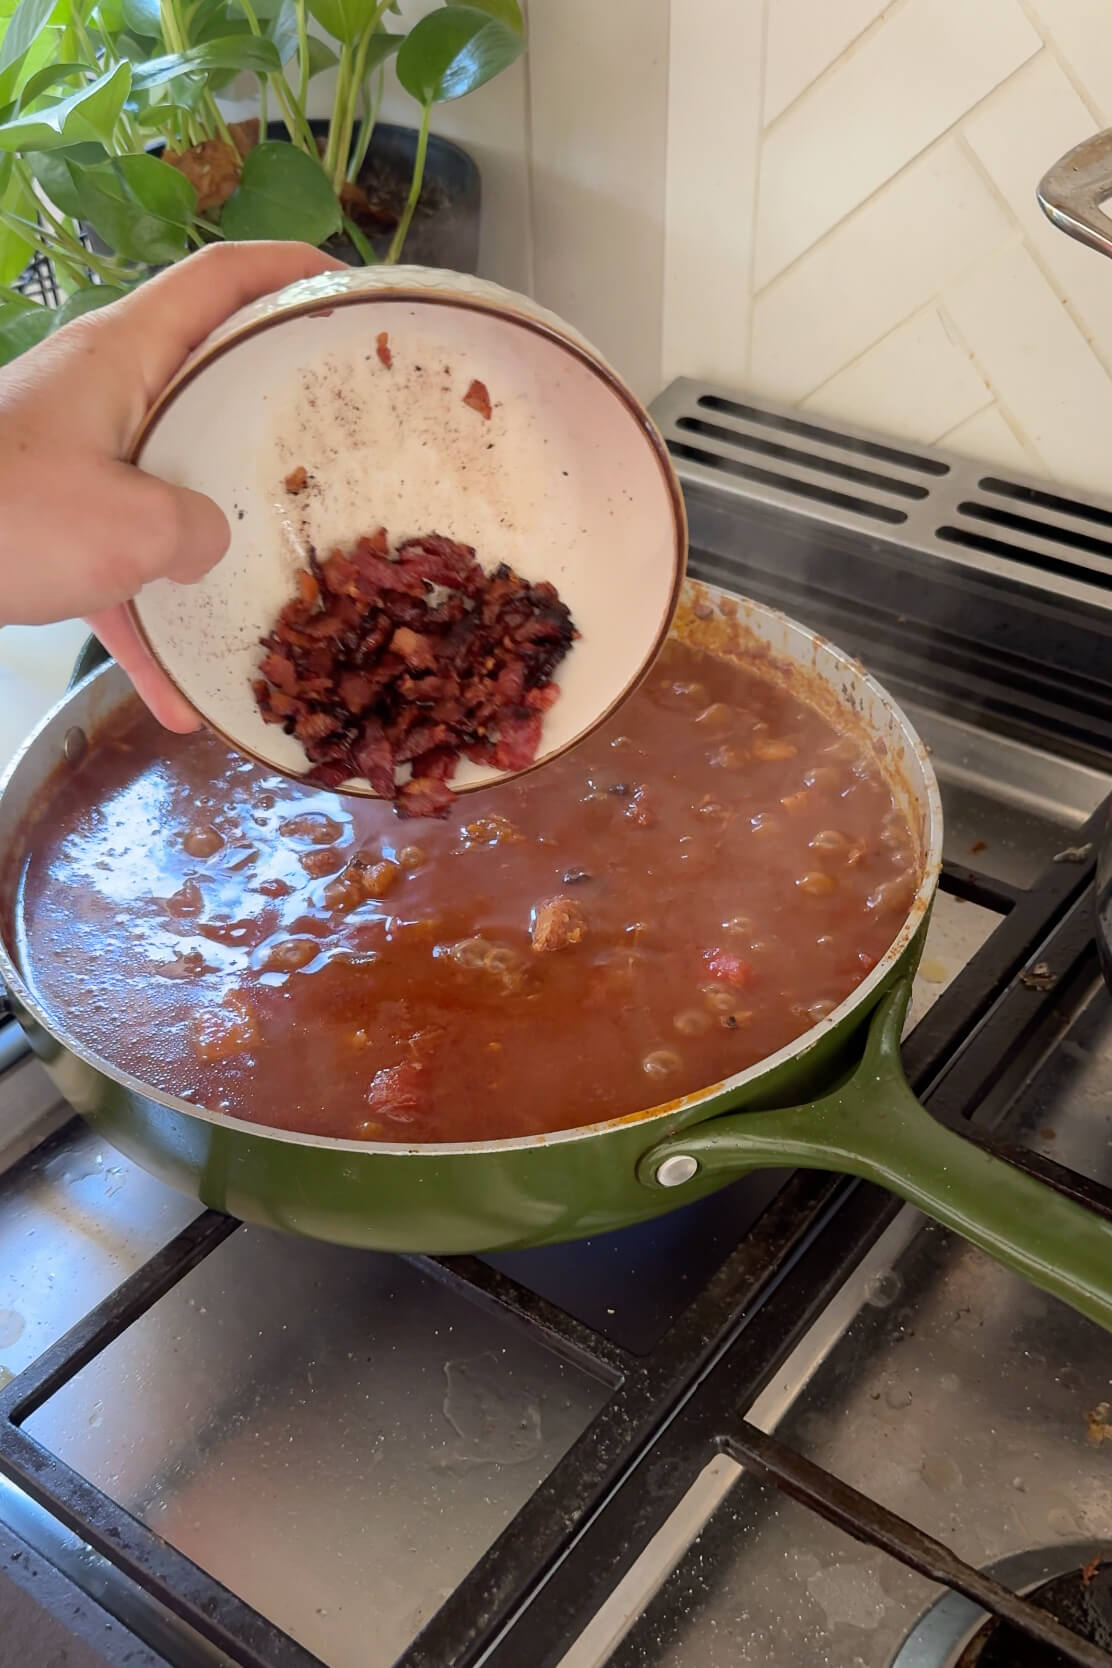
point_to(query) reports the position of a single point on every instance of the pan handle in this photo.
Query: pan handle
(875, 1128)
(1071, 193)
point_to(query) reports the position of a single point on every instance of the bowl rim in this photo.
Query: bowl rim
(322, 306)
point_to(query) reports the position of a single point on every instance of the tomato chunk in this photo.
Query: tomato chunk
(730, 969)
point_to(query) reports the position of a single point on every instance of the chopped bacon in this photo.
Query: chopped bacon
(416, 657)
(424, 796)
(478, 399)
(730, 969)
(415, 649)
(297, 480)
(382, 348)
(395, 1092)
(519, 735)
(439, 764)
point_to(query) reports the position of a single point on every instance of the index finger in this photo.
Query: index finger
(172, 314)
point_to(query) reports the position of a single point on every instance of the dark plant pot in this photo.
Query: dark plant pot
(445, 228)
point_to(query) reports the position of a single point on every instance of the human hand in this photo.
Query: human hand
(81, 530)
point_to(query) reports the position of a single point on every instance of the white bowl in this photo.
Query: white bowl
(568, 480)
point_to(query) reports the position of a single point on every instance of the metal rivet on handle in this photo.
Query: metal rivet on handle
(676, 1170)
(74, 746)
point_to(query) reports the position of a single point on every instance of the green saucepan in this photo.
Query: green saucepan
(836, 1099)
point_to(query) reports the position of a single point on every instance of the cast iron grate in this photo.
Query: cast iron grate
(530, 1595)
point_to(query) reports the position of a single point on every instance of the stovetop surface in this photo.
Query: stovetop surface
(340, 1438)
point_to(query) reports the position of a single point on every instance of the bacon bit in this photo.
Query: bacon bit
(424, 796)
(395, 1093)
(370, 674)
(730, 969)
(382, 348)
(478, 399)
(296, 481)
(557, 923)
(325, 860)
(275, 888)
(1089, 1571)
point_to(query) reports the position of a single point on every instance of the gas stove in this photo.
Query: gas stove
(795, 1423)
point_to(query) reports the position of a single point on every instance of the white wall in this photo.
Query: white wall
(831, 201)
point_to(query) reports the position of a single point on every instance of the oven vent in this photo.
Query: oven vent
(916, 497)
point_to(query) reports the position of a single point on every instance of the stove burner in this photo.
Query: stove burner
(1072, 1582)
(1081, 1600)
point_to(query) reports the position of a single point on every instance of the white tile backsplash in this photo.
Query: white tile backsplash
(915, 382)
(598, 116)
(1079, 32)
(1031, 121)
(928, 225)
(989, 437)
(908, 83)
(804, 39)
(1038, 363)
(713, 114)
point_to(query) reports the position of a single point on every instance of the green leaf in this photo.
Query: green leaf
(84, 301)
(90, 113)
(234, 52)
(109, 14)
(143, 17)
(506, 11)
(140, 206)
(282, 30)
(58, 173)
(29, 17)
(211, 19)
(282, 193)
(382, 46)
(130, 46)
(45, 49)
(451, 52)
(22, 324)
(345, 20)
(46, 78)
(321, 56)
(16, 198)
(157, 118)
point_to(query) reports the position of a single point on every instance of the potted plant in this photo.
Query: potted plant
(115, 157)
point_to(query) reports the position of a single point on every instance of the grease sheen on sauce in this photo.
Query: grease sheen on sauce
(313, 964)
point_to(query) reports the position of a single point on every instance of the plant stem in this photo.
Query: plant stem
(302, 53)
(339, 110)
(217, 120)
(32, 234)
(77, 23)
(398, 240)
(346, 117)
(361, 241)
(294, 117)
(367, 127)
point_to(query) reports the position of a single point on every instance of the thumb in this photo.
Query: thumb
(177, 533)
